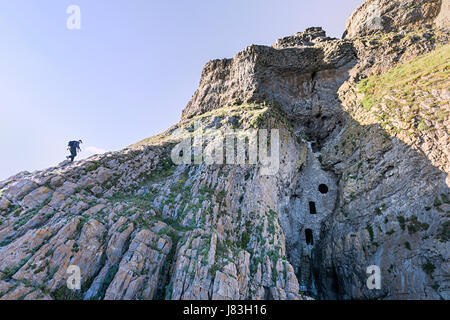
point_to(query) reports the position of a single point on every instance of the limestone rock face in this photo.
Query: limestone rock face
(442, 21)
(396, 15)
(362, 179)
(261, 73)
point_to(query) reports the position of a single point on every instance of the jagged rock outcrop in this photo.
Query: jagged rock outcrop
(260, 73)
(442, 21)
(396, 15)
(362, 179)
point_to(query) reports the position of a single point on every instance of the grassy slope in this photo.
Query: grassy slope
(244, 115)
(407, 99)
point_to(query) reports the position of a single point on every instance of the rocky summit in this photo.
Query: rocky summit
(361, 183)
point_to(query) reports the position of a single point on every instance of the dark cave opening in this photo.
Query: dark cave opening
(315, 147)
(334, 285)
(319, 127)
(309, 237)
(312, 207)
(323, 188)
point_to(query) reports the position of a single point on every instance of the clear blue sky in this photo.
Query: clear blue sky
(130, 69)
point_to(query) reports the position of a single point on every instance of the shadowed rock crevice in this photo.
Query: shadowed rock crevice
(368, 223)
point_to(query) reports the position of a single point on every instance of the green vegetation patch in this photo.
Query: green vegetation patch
(444, 232)
(428, 268)
(370, 230)
(398, 95)
(164, 169)
(415, 225)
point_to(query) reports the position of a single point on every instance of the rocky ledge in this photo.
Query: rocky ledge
(362, 181)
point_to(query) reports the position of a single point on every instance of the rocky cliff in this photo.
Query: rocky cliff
(362, 179)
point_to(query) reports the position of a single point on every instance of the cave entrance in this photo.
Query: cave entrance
(323, 188)
(309, 237)
(312, 207)
(315, 147)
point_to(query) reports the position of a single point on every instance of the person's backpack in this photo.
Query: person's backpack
(73, 144)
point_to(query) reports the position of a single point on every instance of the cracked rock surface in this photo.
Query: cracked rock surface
(351, 189)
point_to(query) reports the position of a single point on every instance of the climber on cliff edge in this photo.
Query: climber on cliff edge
(74, 147)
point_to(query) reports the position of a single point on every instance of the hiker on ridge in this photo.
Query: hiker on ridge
(74, 147)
